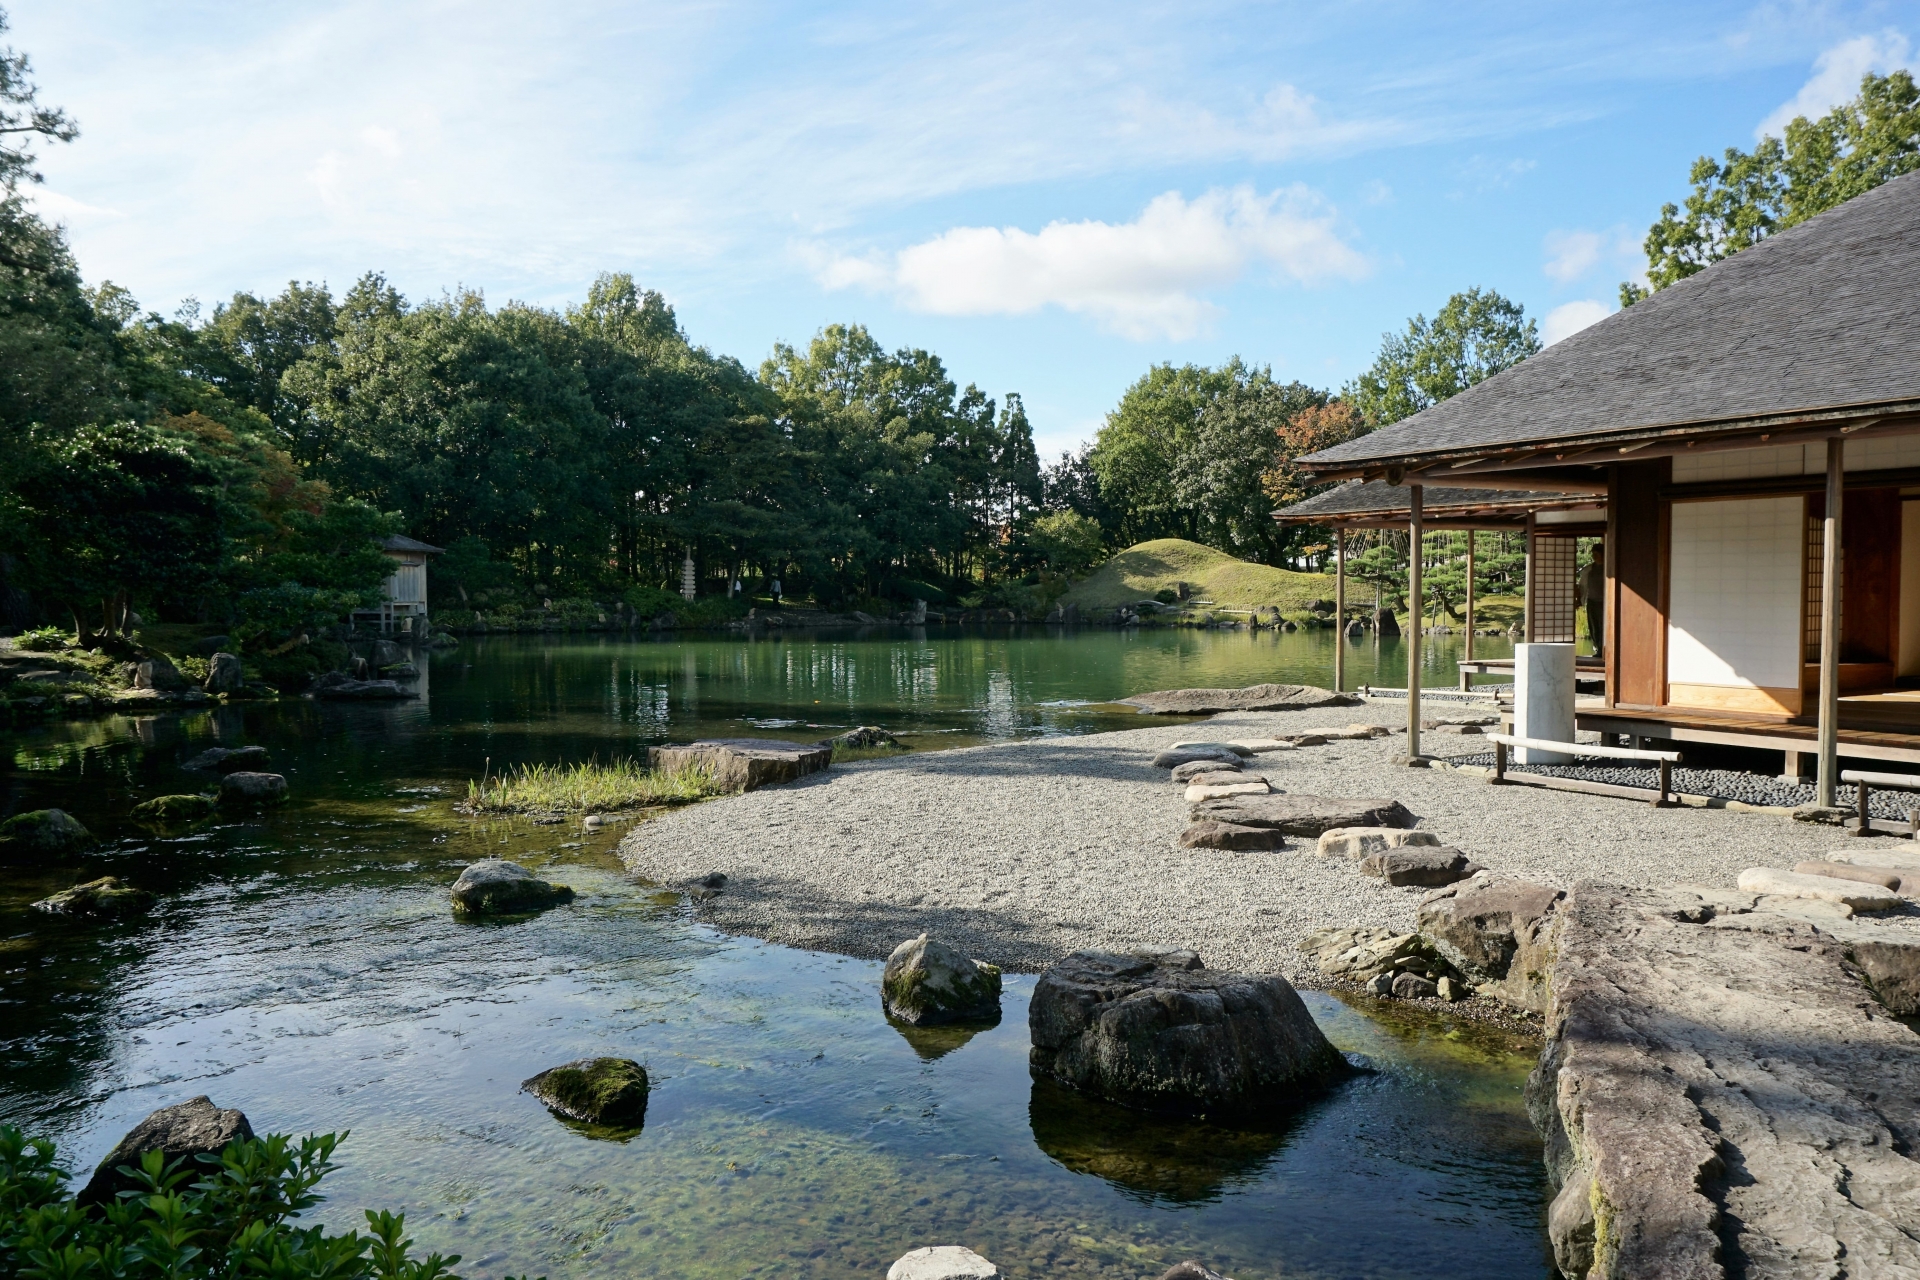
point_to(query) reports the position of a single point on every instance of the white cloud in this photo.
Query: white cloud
(1570, 318)
(1572, 254)
(1836, 78)
(64, 208)
(1140, 279)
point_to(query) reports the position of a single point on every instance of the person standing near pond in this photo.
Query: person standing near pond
(776, 593)
(1593, 593)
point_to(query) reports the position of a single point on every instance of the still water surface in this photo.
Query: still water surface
(303, 966)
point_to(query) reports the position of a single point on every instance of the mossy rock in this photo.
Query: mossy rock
(927, 982)
(494, 886)
(103, 897)
(609, 1091)
(173, 809)
(44, 831)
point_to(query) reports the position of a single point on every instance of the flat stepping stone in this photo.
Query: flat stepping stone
(1173, 757)
(1892, 859)
(1466, 730)
(1789, 884)
(744, 764)
(1220, 777)
(1198, 791)
(1200, 768)
(1303, 815)
(1258, 697)
(1429, 867)
(1859, 875)
(1231, 835)
(1261, 746)
(1236, 748)
(1459, 721)
(1358, 842)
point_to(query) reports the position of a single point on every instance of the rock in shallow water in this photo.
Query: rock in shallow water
(191, 1128)
(942, 1262)
(106, 896)
(610, 1091)
(253, 788)
(228, 760)
(926, 982)
(44, 831)
(1146, 1030)
(494, 886)
(174, 809)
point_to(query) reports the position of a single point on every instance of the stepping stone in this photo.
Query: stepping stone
(1467, 730)
(1173, 757)
(1230, 835)
(1198, 791)
(1789, 884)
(1459, 721)
(1892, 859)
(1357, 732)
(1358, 842)
(1259, 697)
(1195, 768)
(744, 764)
(1859, 875)
(1261, 746)
(1234, 747)
(1428, 867)
(1303, 815)
(1219, 777)
(1306, 739)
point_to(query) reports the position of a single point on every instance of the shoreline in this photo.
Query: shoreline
(1019, 853)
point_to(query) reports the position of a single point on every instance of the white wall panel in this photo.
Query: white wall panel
(1735, 597)
(1745, 464)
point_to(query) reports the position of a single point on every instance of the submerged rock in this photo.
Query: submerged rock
(253, 788)
(610, 1091)
(494, 886)
(43, 831)
(228, 760)
(1158, 1031)
(174, 809)
(943, 1262)
(103, 897)
(191, 1128)
(926, 981)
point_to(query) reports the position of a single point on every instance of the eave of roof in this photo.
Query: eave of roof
(1375, 500)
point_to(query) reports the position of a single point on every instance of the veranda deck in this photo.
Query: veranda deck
(1876, 726)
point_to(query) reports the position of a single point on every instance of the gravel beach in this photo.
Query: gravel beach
(1021, 852)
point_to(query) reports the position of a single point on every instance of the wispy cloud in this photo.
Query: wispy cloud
(1141, 279)
(1571, 255)
(1570, 318)
(1836, 77)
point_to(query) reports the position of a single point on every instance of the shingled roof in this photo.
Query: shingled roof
(1360, 499)
(1821, 319)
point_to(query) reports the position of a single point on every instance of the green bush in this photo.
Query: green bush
(650, 602)
(215, 1218)
(194, 668)
(41, 640)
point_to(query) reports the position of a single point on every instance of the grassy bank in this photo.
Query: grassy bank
(1214, 576)
(587, 788)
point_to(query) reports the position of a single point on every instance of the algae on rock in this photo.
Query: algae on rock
(610, 1091)
(926, 981)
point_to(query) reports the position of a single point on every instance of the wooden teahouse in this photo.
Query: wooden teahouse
(1749, 440)
(403, 604)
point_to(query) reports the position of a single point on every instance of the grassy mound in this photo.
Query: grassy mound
(1147, 567)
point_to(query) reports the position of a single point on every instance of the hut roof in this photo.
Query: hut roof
(1822, 319)
(401, 542)
(1376, 499)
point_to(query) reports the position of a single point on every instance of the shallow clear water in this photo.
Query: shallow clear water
(304, 967)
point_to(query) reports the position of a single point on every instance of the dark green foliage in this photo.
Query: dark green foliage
(1471, 338)
(217, 1217)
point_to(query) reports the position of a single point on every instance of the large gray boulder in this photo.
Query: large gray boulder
(1303, 815)
(609, 1091)
(43, 831)
(926, 981)
(1258, 697)
(1479, 925)
(1231, 835)
(225, 674)
(744, 764)
(494, 886)
(159, 673)
(191, 1128)
(1158, 1031)
(253, 788)
(1426, 867)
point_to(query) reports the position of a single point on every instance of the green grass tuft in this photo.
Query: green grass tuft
(588, 788)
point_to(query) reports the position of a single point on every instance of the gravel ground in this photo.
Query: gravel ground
(1723, 784)
(1024, 851)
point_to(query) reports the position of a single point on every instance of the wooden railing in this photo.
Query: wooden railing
(1665, 759)
(1886, 781)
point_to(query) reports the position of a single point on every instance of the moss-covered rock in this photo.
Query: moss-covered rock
(103, 897)
(610, 1091)
(494, 886)
(43, 831)
(172, 809)
(927, 981)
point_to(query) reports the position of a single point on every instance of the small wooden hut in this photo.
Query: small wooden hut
(403, 606)
(1754, 435)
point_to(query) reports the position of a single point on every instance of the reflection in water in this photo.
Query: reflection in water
(1154, 1157)
(937, 1041)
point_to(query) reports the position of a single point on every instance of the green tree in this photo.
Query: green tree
(1220, 476)
(1138, 448)
(1474, 336)
(1745, 197)
(23, 120)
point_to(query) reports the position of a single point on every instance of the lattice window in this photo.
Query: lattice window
(1816, 556)
(1555, 588)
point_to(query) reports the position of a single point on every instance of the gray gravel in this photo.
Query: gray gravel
(1021, 852)
(1721, 784)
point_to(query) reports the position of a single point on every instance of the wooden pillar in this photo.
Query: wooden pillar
(1526, 614)
(1829, 777)
(1470, 538)
(1416, 607)
(1339, 610)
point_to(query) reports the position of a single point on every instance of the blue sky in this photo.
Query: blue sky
(1051, 197)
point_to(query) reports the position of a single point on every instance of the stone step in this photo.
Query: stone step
(1358, 842)
(1859, 897)
(1901, 859)
(1198, 791)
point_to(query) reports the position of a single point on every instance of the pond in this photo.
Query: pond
(303, 966)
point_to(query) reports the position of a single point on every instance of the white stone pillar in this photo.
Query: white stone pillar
(1542, 699)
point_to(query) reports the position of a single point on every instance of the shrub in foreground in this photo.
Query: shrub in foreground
(213, 1218)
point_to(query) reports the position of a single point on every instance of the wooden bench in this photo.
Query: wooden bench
(1665, 759)
(1886, 781)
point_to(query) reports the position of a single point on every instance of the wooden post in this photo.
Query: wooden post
(1860, 804)
(1526, 613)
(1339, 610)
(1827, 783)
(1416, 608)
(1470, 535)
